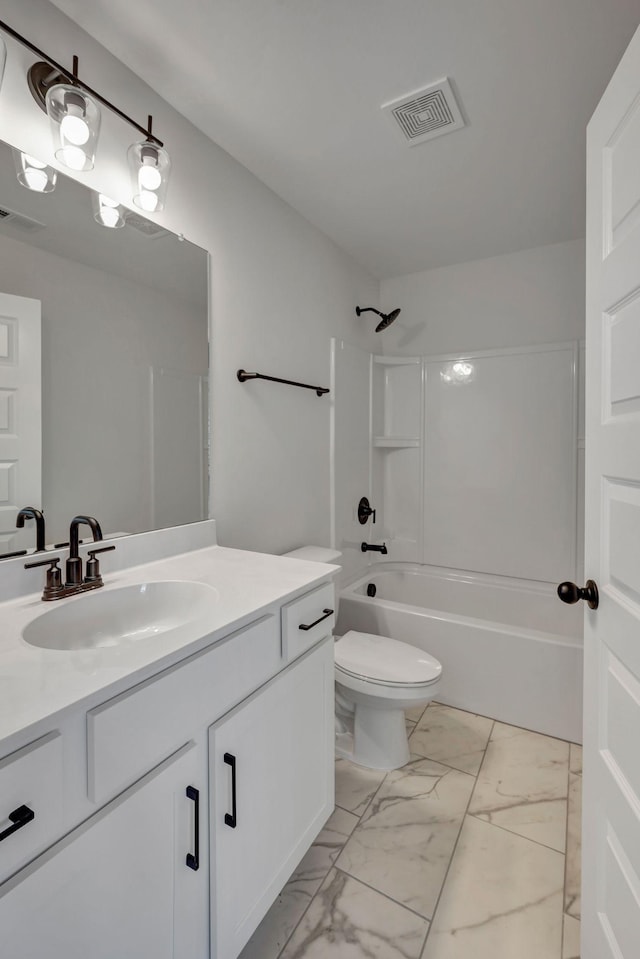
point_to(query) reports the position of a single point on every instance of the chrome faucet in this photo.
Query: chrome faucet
(30, 512)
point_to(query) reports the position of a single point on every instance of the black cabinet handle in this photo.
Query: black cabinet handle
(231, 819)
(327, 613)
(193, 858)
(19, 817)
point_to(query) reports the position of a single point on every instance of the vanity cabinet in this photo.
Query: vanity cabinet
(271, 775)
(118, 885)
(223, 760)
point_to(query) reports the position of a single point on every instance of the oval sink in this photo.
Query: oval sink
(128, 614)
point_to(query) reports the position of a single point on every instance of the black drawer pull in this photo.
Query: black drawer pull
(19, 817)
(231, 818)
(193, 858)
(327, 613)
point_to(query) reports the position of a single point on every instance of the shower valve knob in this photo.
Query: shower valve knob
(365, 511)
(570, 593)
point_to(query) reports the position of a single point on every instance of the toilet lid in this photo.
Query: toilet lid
(385, 660)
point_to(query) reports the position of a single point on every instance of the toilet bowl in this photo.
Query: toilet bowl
(377, 678)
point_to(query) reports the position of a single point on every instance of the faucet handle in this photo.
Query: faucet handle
(53, 586)
(93, 565)
(44, 562)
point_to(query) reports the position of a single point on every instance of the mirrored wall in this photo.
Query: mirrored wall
(104, 362)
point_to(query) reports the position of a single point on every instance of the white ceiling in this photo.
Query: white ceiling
(293, 89)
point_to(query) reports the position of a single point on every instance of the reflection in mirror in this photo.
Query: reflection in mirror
(103, 367)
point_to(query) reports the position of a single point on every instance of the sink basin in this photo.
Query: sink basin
(129, 614)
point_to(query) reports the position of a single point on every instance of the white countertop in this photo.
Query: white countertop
(36, 684)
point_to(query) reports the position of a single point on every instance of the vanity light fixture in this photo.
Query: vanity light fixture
(75, 124)
(107, 212)
(34, 174)
(150, 166)
(74, 110)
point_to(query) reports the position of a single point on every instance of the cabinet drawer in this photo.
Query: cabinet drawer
(131, 733)
(32, 778)
(303, 612)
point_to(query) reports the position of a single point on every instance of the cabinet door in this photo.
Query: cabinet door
(117, 886)
(271, 763)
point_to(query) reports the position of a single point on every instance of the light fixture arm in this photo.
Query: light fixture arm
(38, 76)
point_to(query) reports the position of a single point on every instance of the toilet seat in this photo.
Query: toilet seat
(384, 661)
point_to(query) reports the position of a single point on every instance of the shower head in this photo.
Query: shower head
(387, 318)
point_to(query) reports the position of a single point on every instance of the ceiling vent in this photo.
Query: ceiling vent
(19, 220)
(427, 113)
(147, 227)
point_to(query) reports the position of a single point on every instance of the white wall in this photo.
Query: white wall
(100, 335)
(522, 299)
(280, 289)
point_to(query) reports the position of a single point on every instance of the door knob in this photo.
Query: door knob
(570, 593)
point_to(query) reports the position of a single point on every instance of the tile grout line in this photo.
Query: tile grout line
(512, 832)
(456, 769)
(440, 762)
(464, 817)
(360, 817)
(313, 897)
(385, 895)
(504, 722)
(455, 846)
(333, 866)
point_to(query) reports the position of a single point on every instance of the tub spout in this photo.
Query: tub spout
(366, 547)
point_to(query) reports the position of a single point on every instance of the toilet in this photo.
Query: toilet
(377, 678)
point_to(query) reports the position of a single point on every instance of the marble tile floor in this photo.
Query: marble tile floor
(471, 851)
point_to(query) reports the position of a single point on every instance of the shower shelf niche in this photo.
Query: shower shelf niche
(397, 415)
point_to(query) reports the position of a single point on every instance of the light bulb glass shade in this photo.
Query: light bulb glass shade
(75, 125)
(34, 174)
(107, 212)
(3, 58)
(150, 167)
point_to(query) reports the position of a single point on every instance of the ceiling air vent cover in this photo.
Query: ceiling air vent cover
(20, 220)
(427, 113)
(153, 231)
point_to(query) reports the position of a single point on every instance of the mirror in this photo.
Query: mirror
(120, 381)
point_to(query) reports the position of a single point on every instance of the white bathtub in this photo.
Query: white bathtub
(509, 648)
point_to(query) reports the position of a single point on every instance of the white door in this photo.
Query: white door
(611, 807)
(20, 417)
